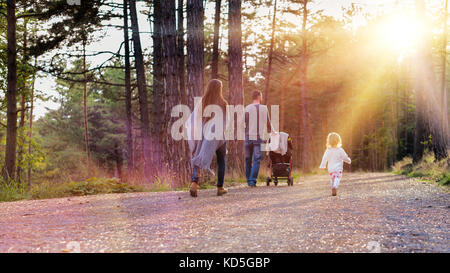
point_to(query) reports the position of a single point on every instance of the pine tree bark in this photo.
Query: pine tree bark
(85, 117)
(21, 138)
(304, 113)
(282, 103)
(30, 133)
(184, 151)
(236, 94)
(393, 128)
(142, 89)
(406, 115)
(215, 53)
(11, 93)
(170, 71)
(351, 133)
(195, 48)
(23, 88)
(128, 107)
(269, 67)
(158, 89)
(180, 52)
(444, 78)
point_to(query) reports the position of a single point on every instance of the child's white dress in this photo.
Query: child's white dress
(335, 158)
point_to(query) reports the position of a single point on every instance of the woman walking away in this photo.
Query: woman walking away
(335, 156)
(203, 150)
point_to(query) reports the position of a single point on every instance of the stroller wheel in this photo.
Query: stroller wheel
(290, 181)
(275, 181)
(268, 180)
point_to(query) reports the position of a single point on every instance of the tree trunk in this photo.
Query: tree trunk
(184, 151)
(421, 127)
(443, 78)
(119, 160)
(195, 47)
(30, 133)
(426, 89)
(170, 69)
(285, 81)
(142, 89)
(21, 138)
(393, 129)
(128, 109)
(324, 128)
(215, 53)
(86, 126)
(269, 67)
(351, 133)
(282, 103)
(306, 142)
(180, 53)
(23, 88)
(406, 113)
(158, 89)
(420, 131)
(11, 93)
(236, 94)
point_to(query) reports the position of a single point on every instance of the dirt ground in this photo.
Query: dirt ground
(373, 212)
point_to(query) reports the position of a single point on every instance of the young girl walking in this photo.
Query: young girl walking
(335, 156)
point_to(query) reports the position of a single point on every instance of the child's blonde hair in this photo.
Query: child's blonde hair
(334, 140)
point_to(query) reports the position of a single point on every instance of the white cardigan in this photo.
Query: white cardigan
(202, 144)
(335, 158)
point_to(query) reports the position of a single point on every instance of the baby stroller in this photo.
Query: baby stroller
(280, 164)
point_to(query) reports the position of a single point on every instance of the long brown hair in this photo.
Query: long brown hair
(213, 95)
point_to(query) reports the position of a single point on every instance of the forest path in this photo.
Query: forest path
(372, 212)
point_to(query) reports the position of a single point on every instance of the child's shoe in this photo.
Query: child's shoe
(333, 191)
(193, 189)
(221, 191)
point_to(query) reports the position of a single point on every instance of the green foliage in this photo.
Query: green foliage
(49, 189)
(416, 174)
(65, 24)
(160, 185)
(444, 179)
(427, 169)
(12, 191)
(352, 94)
(96, 185)
(61, 131)
(33, 159)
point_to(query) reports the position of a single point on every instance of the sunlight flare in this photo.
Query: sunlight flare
(400, 33)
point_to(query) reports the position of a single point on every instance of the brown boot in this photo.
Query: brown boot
(193, 189)
(221, 191)
(333, 191)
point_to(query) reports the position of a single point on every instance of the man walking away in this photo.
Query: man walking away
(256, 115)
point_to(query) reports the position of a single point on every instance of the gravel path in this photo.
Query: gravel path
(372, 212)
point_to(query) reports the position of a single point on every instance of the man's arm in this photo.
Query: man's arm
(246, 118)
(269, 123)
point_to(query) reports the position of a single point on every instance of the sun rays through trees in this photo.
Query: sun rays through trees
(376, 74)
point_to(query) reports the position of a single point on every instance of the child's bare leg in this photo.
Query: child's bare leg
(336, 182)
(337, 178)
(333, 189)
